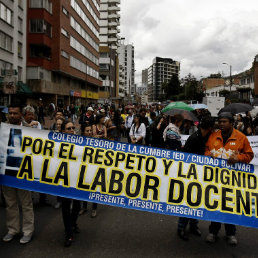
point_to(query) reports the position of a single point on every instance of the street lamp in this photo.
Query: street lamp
(230, 77)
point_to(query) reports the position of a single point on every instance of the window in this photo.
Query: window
(65, 11)
(40, 26)
(6, 14)
(40, 51)
(83, 50)
(20, 3)
(75, 25)
(45, 4)
(20, 24)
(19, 73)
(19, 49)
(64, 32)
(64, 54)
(6, 42)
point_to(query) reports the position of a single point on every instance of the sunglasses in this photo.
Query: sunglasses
(70, 128)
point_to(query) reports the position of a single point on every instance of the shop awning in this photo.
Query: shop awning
(23, 88)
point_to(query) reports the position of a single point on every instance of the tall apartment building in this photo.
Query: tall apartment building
(159, 72)
(109, 67)
(63, 50)
(12, 48)
(144, 78)
(126, 60)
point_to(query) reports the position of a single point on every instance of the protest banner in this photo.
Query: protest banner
(128, 176)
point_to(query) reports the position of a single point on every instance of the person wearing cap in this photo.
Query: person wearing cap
(195, 144)
(103, 113)
(87, 118)
(227, 143)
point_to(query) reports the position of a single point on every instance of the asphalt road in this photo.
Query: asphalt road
(117, 232)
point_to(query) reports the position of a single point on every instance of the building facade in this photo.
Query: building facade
(63, 50)
(12, 48)
(160, 72)
(126, 61)
(109, 66)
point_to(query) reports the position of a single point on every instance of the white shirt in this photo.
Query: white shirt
(138, 133)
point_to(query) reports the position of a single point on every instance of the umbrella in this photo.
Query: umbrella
(236, 108)
(4, 109)
(199, 106)
(185, 113)
(255, 102)
(177, 105)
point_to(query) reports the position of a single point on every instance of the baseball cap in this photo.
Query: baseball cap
(90, 109)
(102, 110)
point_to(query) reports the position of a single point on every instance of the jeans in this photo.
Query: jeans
(229, 228)
(70, 216)
(183, 222)
(94, 205)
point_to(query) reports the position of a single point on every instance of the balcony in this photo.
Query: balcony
(110, 32)
(112, 39)
(104, 60)
(112, 24)
(112, 16)
(114, 1)
(114, 8)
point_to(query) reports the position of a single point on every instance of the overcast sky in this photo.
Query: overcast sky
(201, 34)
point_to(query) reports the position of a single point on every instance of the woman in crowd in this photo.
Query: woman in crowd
(138, 131)
(171, 135)
(58, 127)
(59, 123)
(157, 129)
(69, 215)
(87, 131)
(248, 128)
(239, 125)
(99, 129)
(114, 126)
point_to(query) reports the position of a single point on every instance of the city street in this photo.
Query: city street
(117, 232)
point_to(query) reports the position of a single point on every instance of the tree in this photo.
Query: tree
(191, 88)
(172, 88)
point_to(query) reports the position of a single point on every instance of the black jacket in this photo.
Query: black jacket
(195, 143)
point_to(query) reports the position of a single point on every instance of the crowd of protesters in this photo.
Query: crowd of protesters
(144, 125)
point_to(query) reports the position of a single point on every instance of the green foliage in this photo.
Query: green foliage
(172, 88)
(190, 86)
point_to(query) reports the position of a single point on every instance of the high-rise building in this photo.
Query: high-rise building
(159, 72)
(109, 67)
(126, 60)
(63, 50)
(255, 76)
(12, 48)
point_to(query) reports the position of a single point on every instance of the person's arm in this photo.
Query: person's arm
(94, 131)
(160, 123)
(246, 154)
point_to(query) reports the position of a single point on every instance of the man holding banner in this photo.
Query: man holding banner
(195, 144)
(227, 143)
(12, 194)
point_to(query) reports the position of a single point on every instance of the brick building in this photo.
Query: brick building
(63, 50)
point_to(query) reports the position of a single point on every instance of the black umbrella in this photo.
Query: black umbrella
(255, 102)
(236, 108)
(186, 114)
